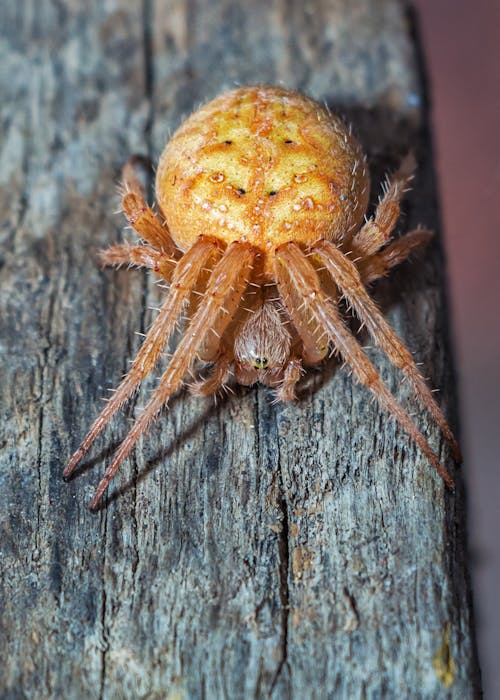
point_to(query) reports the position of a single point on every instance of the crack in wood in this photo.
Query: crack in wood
(104, 645)
(284, 576)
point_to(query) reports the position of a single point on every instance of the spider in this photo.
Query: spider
(262, 194)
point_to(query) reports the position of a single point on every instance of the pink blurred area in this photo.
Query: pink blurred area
(462, 50)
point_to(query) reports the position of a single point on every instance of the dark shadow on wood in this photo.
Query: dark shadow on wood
(163, 455)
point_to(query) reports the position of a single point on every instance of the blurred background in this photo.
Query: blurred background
(461, 40)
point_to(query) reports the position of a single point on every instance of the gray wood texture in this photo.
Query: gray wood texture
(248, 550)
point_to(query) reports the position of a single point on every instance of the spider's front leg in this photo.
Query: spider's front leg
(346, 276)
(230, 276)
(301, 274)
(184, 280)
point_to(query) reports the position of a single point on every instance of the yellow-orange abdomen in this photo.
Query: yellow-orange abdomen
(265, 165)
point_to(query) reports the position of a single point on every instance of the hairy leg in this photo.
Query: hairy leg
(303, 276)
(286, 391)
(218, 377)
(246, 376)
(347, 277)
(377, 231)
(312, 335)
(210, 348)
(138, 256)
(139, 214)
(234, 266)
(380, 263)
(184, 278)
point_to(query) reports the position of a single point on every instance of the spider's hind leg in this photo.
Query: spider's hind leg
(379, 264)
(139, 214)
(138, 256)
(378, 230)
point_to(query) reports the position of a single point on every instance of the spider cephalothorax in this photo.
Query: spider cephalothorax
(262, 195)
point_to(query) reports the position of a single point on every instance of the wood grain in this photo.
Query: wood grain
(248, 549)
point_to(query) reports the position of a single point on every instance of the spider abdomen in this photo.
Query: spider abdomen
(262, 165)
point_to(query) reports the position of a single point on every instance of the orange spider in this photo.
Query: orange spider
(263, 193)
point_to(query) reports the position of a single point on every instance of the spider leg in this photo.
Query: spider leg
(379, 264)
(286, 391)
(246, 376)
(210, 348)
(303, 276)
(218, 377)
(314, 342)
(139, 214)
(377, 231)
(138, 256)
(233, 268)
(184, 278)
(347, 277)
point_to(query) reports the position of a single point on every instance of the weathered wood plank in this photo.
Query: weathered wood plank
(248, 550)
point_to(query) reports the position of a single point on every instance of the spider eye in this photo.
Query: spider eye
(273, 193)
(260, 362)
(241, 191)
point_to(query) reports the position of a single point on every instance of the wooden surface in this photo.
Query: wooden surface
(248, 550)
